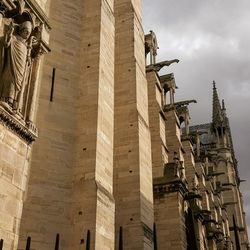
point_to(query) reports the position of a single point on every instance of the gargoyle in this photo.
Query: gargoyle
(158, 66)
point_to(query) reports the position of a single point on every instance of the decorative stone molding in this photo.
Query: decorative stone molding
(163, 186)
(39, 12)
(27, 132)
(172, 181)
(192, 196)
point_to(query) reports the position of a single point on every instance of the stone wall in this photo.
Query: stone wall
(17, 128)
(105, 131)
(14, 170)
(70, 188)
(170, 222)
(157, 124)
(93, 171)
(50, 185)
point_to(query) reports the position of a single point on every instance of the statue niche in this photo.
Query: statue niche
(24, 38)
(19, 49)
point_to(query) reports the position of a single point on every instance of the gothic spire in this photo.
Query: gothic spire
(217, 112)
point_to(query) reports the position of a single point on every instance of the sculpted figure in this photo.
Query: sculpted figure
(154, 43)
(15, 63)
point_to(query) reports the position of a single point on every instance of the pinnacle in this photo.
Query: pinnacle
(217, 114)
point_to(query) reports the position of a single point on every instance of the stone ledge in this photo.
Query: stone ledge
(26, 131)
(163, 186)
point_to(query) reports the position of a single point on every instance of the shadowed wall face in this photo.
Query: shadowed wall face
(49, 194)
(72, 167)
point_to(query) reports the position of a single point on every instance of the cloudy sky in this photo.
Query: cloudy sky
(212, 40)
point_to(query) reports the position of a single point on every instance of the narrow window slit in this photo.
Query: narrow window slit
(28, 243)
(57, 242)
(52, 84)
(1, 244)
(121, 239)
(88, 241)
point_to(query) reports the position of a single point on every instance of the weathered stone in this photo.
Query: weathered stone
(116, 165)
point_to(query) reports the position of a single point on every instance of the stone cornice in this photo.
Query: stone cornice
(27, 132)
(163, 186)
(32, 4)
(39, 12)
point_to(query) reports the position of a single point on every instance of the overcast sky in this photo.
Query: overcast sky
(212, 40)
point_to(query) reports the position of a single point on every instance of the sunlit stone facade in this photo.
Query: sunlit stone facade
(95, 153)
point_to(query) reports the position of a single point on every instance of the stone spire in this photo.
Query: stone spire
(217, 112)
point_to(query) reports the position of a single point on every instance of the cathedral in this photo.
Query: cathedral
(95, 152)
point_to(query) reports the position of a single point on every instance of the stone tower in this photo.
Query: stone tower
(226, 163)
(95, 153)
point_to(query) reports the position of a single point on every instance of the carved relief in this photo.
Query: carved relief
(24, 33)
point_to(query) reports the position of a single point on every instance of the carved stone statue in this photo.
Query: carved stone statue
(15, 61)
(24, 38)
(151, 46)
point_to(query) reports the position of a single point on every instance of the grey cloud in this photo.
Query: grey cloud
(212, 40)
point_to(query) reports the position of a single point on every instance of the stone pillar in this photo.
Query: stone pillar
(93, 170)
(132, 147)
(190, 168)
(170, 191)
(169, 213)
(71, 183)
(194, 195)
(157, 124)
(34, 93)
(173, 135)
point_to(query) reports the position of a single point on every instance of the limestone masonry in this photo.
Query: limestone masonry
(95, 153)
